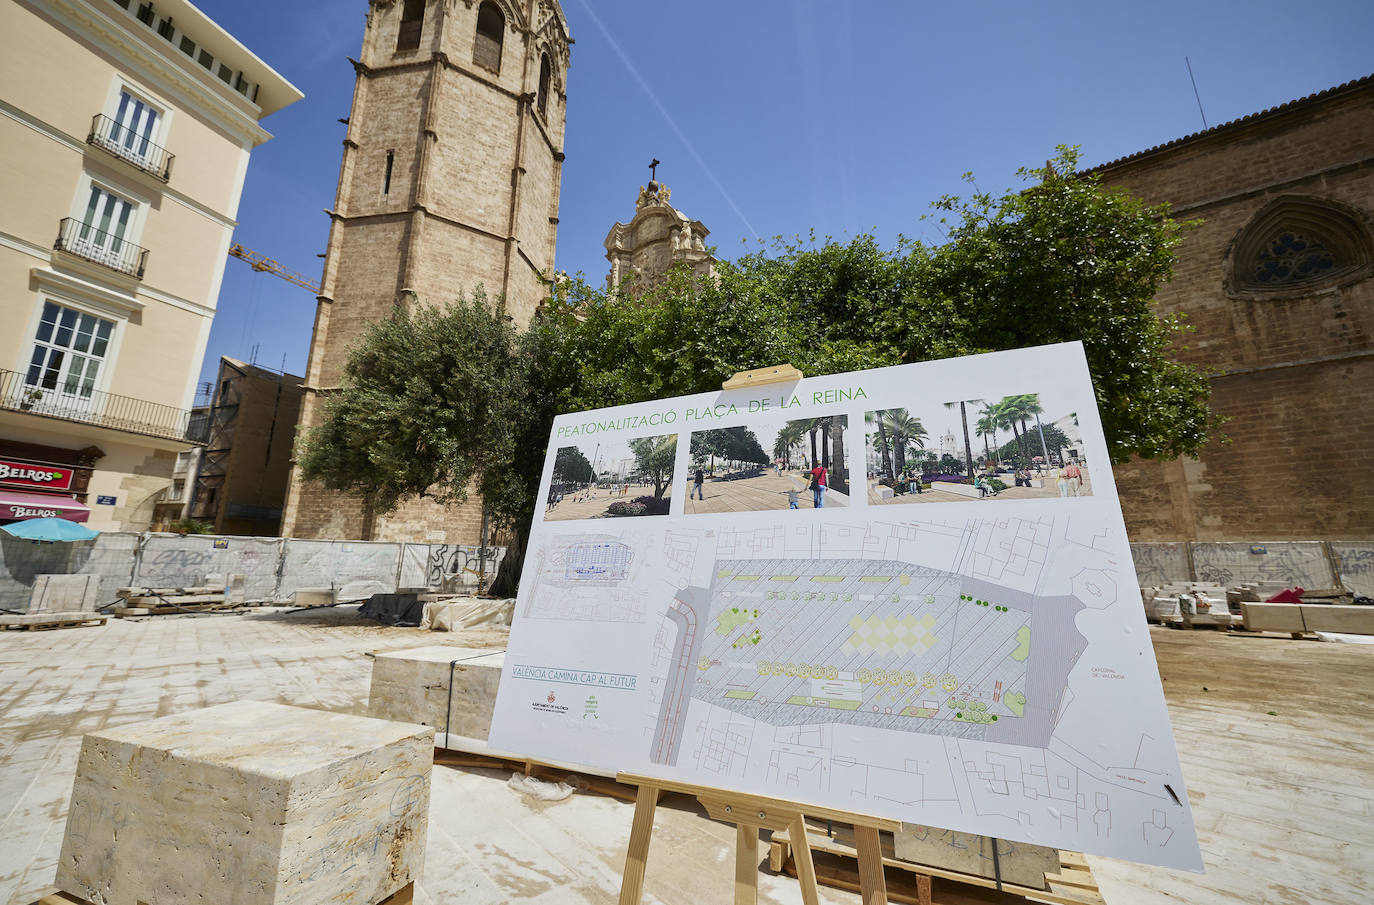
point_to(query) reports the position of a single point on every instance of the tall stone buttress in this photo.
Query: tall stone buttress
(449, 179)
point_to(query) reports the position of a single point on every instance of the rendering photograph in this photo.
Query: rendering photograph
(771, 463)
(1011, 448)
(612, 479)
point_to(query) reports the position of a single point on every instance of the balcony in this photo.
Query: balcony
(124, 143)
(85, 241)
(121, 413)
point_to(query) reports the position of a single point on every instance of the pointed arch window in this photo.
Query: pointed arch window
(491, 32)
(1298, 244)
(412, 25)
(545, 78)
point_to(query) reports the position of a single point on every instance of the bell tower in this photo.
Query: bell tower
(449, 181)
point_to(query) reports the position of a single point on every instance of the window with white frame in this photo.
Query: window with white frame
(134, 130)
(69, 349)
(106, 222)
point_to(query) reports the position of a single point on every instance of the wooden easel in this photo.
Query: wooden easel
(749, 814)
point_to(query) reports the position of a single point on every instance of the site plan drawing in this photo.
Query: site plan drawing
(973, 664)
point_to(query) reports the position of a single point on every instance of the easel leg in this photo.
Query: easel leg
(632, 883)
(801, 854)
(872, 883)
(746, 865)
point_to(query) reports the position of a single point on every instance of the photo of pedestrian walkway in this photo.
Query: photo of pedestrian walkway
(612, 479)
(1021, 446)
(771, 463)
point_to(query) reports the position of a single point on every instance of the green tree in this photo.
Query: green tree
(878, 419)
(654, 460)
(570, 466)
(434, 404)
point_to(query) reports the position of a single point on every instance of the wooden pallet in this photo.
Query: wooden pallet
(836, 864)
(73, 622)
(404, 896)
(599, 784)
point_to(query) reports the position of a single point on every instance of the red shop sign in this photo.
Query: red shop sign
(27, 474)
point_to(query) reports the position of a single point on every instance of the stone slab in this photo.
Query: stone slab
(1020, 863)
(251, 803)
(1271, 617)
(314, 597)
(1349, 620)
(413, 685)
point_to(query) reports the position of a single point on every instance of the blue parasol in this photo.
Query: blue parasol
(49, 529)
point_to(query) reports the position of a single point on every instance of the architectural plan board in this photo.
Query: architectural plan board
(970, 656)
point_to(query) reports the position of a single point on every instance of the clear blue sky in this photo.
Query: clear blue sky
(780, 117)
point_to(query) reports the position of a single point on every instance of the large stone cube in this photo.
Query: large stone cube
(250, 803)
(414, 685)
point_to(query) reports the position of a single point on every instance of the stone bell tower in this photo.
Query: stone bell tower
(449, 180)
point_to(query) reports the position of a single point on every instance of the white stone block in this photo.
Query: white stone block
(314, 597)
(413, 685)
(250, 803)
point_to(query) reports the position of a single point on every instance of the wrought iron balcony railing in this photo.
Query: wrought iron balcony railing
(116, 253)
(128, 145)
(122, 413)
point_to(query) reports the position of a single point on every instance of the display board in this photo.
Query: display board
(947, 633)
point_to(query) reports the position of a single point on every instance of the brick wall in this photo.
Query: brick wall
(1297, 373)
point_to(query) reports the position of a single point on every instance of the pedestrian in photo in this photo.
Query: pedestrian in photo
(1074, 475)
(817, 487)
(792, 502)
(698, 480)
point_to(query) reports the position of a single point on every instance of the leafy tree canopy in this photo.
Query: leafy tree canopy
(441, 401)
(654, 460)
(571, 467)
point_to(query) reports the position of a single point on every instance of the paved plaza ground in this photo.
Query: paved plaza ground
(765, 492)
(594, 503)
(1049, 491)
(1276, 738)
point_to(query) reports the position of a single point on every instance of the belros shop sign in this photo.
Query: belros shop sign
(27, 474)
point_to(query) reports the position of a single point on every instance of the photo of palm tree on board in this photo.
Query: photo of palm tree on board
(772, 463)
(612, 479)
(1014, 447)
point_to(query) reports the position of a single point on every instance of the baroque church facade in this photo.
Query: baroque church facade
(449, 181)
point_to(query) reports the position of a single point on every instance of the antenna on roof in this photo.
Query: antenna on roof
(1195, 94)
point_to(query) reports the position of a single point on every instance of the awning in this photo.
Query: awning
(14, 505)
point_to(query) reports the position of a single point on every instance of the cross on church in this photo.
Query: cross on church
(653, 169)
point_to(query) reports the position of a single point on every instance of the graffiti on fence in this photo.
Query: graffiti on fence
(1356, 562)
(1159, 564)
(1298, 563)
(449, 559)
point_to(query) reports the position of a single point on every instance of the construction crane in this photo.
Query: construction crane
(264, 264)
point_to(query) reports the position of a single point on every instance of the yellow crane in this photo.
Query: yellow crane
(265, 264)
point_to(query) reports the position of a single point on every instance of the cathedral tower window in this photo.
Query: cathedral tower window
(1299, 244)
(545, 76)
(412, 23)
(491, 31)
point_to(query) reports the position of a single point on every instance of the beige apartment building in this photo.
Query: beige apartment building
(127, 128)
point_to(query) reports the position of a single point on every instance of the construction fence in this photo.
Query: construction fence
(272, 567)
(1308, 564)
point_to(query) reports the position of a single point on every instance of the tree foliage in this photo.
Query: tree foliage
(441, 401)
(654, 460)
(570, 466)
(435, 404)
